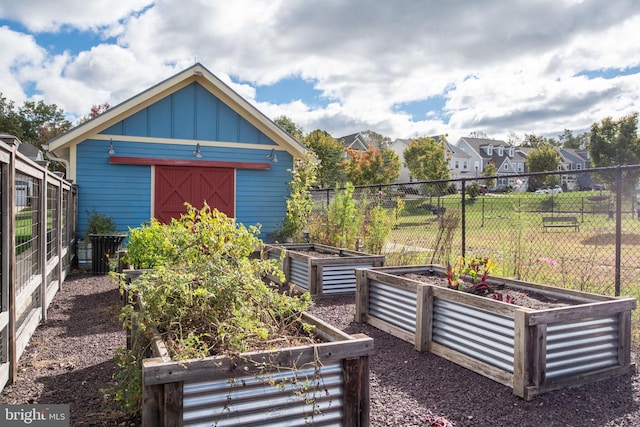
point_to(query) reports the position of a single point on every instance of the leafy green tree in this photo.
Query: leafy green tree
(379, 141)
(535, 141)
(289, 126)
(544, 158)
(426, 159)
(33, 122)
(616, 142)
(96, 110)
(373, 166)
(513, 138)
(330, 153)
(472, 190)
(9, 118)
(568, 140)
(489, 170)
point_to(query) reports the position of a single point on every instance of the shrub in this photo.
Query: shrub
(150, 245)
(206, 294)
(100, 223)
(299, 203)
(343, 218)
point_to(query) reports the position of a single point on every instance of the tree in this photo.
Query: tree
(613, 143)
(96, 110)
(34, 122)
(567, 140)
(533, 141)
(489, 170)
(379, 141)
(373, 166)
(478, 134)
(330, 153)
(513, 138)
(426, 160)
(289, 126)
(544, 158)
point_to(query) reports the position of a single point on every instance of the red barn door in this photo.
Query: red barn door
(175, 185)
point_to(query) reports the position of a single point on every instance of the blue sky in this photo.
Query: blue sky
(402, 69)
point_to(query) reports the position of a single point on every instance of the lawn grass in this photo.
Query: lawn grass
(508, 228)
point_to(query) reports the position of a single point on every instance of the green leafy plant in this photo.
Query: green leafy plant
(379, 222)
(473, 190)
(149, 245)
(99, 223)
(206, 295)
(469, 274)
(126, 389)
(300, 203)
(343, 218)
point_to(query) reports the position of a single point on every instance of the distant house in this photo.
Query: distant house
(459, 163)
(399, 145)
(505, 157)
(189, 138)
(24, 185)
(356, 141)
(572, 159)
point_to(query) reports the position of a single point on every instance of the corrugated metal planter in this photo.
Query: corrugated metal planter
(531, 351)
(332, 273)
(320, 384)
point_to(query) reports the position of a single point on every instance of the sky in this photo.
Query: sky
(401, 68)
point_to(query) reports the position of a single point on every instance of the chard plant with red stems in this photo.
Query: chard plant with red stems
(469, 274)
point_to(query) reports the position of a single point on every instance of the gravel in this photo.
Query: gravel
(70, 359)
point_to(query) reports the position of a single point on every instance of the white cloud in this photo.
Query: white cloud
(19, 51)
(45, 15)
(502, 66)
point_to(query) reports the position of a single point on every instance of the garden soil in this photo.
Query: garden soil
(69, 360)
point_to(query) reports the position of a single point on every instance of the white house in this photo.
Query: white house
(505, 157)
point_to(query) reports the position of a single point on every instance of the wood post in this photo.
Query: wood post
(356, 392)
(362, 296)
(424, 316)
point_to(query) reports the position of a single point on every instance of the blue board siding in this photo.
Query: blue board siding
(120, 191)
(207, 118)
(263, 201)
(190, 113)
(183, 113)
(159, 116)
(124, 191)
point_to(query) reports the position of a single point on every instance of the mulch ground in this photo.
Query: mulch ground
(69, 360)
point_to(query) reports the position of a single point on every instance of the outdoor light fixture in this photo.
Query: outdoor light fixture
(273, 156)
(111, 151)
(197, 154)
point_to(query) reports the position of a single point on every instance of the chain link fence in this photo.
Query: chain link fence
(573, 229)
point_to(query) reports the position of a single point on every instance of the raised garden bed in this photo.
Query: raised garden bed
(557, 339)
(317, 384)
(321, 269)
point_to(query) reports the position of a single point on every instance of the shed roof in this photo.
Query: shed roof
(196, 73)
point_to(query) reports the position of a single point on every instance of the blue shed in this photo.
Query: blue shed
(189, 138)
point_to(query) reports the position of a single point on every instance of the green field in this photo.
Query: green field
(508, 229)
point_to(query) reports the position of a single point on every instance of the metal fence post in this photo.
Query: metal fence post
(618, 228)
(463, 219)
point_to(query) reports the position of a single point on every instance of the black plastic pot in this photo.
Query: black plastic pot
(104, 246)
